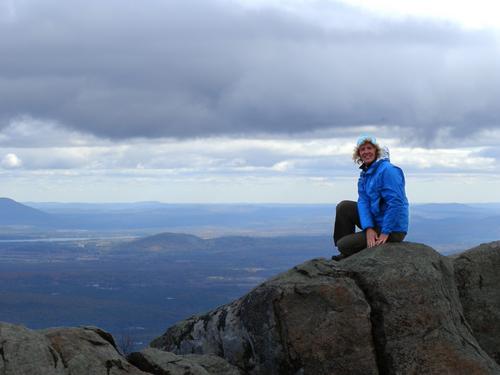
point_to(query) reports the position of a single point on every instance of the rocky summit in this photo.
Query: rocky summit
(394, 309)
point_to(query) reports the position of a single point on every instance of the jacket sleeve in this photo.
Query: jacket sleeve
(365, 215)
(393, 194)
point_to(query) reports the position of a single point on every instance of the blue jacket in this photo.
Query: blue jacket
(382, 200)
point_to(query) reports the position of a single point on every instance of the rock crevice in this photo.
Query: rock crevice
(383, 361)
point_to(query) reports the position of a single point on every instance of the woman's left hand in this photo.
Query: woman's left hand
(382, 238)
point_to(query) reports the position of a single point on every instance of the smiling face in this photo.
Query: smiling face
(367, 153)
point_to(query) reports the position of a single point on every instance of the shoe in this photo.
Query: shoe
(338, 257)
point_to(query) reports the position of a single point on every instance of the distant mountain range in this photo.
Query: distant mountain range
(211, 219)
(13, 213)
(440, 225)
(164, 243)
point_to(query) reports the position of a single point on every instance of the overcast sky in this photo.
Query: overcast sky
(246, 101)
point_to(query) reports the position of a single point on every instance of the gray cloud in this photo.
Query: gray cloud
(191, 68)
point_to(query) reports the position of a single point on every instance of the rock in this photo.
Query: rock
(213, 364)
(26, 352)
(393, 309)
(89, 350)
(417, 318)
(313, 319)
(478, 278)
(159, 362)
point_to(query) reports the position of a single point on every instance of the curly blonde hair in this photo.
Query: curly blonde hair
(357, 158)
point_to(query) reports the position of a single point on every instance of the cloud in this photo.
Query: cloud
(266, 169)
(221, 157)
(192, 69)
(446, 161)
(26, 132)
(11, 161)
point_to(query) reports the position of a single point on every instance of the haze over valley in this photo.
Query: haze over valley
(136, 268)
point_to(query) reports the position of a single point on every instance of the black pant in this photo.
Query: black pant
(347, 240)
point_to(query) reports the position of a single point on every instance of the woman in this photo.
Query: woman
(382, 208)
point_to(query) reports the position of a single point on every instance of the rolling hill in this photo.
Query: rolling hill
(13, 213)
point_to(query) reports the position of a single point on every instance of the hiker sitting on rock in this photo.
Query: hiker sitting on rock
(382, 207)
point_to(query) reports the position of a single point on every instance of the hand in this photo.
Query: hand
(371, 237)
(382, 238)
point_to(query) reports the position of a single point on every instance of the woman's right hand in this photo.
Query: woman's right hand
(371, 237)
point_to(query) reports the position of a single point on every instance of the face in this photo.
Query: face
(368, 153)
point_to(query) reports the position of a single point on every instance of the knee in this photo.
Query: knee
(351, 244)
(397, 237)
(346, 246)
(345, 206)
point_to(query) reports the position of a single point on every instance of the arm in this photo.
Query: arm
(365, 216)
(393, 194)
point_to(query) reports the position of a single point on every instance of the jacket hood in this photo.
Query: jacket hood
(385, 154)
